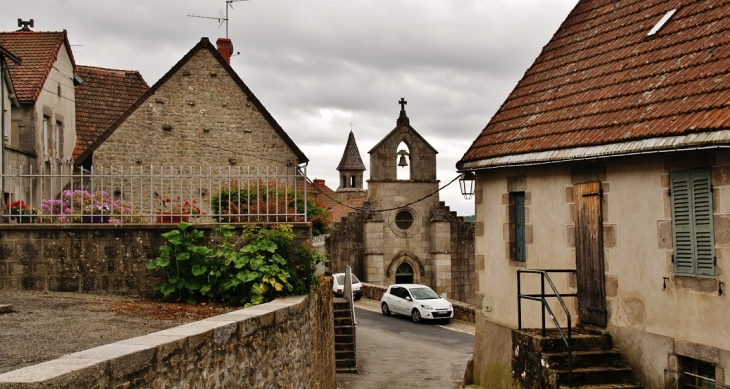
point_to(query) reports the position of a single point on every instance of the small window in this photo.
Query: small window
(46, 136)
(696, 374)
(344, 181)
(58, 140)
(517, 225)
(352, 182)
(404, 220)
(661, 22)
(59, 89)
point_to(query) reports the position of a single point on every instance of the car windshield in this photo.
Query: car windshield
(341, 279)
(424, 294)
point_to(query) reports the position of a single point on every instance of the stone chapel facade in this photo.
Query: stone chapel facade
(403, 233)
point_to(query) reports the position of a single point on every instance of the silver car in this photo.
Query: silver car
(417, 301)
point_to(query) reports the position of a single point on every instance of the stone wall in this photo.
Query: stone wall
(87, 257)
(286, 343)
(462, 311)
(346, 245)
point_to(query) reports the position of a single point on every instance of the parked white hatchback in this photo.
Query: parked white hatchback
(338, 285)
(417, 301)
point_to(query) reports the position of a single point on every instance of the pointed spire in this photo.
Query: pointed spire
(351, 158)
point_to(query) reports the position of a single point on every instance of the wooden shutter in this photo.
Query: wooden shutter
(692, 222)
(682, 231)
(703, 225)
(519, 214)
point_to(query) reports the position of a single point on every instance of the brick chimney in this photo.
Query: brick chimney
(225, 47)
(318, 181)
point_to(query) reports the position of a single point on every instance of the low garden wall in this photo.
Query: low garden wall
(462, 311)
(285, 343)
(88, 257)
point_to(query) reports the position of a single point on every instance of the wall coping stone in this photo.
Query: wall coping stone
(126, 356)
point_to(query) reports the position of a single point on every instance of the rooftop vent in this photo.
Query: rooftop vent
(662, 22)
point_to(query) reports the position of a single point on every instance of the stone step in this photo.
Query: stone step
(579, 342)
(344, 355)
(343, 321)
(346, 330)
(344, 346)
(346, 370)
(345, 363)
(342, 312)
(595, 375)
(589, 358)
(603, 386)
(6, 308)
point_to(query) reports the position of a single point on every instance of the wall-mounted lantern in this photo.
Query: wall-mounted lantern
(466, 182)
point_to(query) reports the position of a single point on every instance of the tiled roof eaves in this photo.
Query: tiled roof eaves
(695, 141)
(204, 43)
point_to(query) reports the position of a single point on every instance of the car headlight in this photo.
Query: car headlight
(426, 306)
(451, 307)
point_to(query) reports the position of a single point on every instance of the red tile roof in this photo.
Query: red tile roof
(101, 98)
(601, 80)
(344, 209)
(38, 51)
(325, 196)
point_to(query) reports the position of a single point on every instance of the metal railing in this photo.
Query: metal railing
(156, 194)
(542, 297)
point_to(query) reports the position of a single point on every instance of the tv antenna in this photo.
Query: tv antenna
(222, 16)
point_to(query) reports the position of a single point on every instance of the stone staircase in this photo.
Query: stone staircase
(543, 362)
(345, 360)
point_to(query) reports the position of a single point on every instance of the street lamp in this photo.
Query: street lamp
(466, 182)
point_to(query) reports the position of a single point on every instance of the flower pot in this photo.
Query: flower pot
(171, 217)
(22, 219)
(95, 219)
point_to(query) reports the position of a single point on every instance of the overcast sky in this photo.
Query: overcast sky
(319, 65)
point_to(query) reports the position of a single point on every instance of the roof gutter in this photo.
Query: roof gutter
(698, 141)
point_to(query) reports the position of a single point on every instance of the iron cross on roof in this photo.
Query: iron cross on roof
(403, 104)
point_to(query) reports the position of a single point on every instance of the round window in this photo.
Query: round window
(404, 220)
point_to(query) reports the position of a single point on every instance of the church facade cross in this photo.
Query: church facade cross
(403, 104)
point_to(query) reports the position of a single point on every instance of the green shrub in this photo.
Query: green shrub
(255, 273)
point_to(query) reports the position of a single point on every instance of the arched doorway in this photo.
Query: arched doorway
(404, 274)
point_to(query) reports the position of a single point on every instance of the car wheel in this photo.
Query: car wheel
(416, 315)
(358, 298)
(385, 309)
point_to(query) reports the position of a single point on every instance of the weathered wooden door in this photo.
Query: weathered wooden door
(589, 253)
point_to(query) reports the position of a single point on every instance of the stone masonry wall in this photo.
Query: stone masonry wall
(198, 117)
(346, 245)
(87, 257)
(287, 343)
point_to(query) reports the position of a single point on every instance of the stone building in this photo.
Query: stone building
(41, 134)
(200, 113)
(403, 233)
(610, 160)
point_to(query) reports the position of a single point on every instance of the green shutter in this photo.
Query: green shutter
(682, 231)
(703, 225)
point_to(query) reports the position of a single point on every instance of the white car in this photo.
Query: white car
(338, 285)
(417, 301)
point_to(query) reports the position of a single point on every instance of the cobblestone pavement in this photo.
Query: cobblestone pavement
(409, 356)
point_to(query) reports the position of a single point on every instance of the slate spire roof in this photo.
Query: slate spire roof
(101, 98)
(351, 157)
(38, 52)
(603, 80)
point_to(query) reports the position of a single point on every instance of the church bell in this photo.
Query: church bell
(402, 161)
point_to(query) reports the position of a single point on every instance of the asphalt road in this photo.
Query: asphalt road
(393, 352)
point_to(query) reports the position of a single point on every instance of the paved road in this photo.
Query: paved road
(393, 352)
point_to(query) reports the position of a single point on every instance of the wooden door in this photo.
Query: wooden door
(589, 253)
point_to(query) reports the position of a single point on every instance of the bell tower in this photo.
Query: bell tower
(351, 171)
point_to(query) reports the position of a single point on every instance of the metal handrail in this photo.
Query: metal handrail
(545, 306)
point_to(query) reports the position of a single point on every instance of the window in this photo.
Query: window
(517, 216)
(57, 144)
(404, 220)
(352, 182)
(344, 181)
(692, 224)
(696, 374)
(46, 136)
(661, 22)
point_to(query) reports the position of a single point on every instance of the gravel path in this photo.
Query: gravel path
(47, 325)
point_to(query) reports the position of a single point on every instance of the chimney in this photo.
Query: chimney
(225, 47)
(318, 181)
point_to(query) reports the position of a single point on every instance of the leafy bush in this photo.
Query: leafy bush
(255, 273)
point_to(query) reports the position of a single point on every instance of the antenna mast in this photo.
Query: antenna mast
(222, 17)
